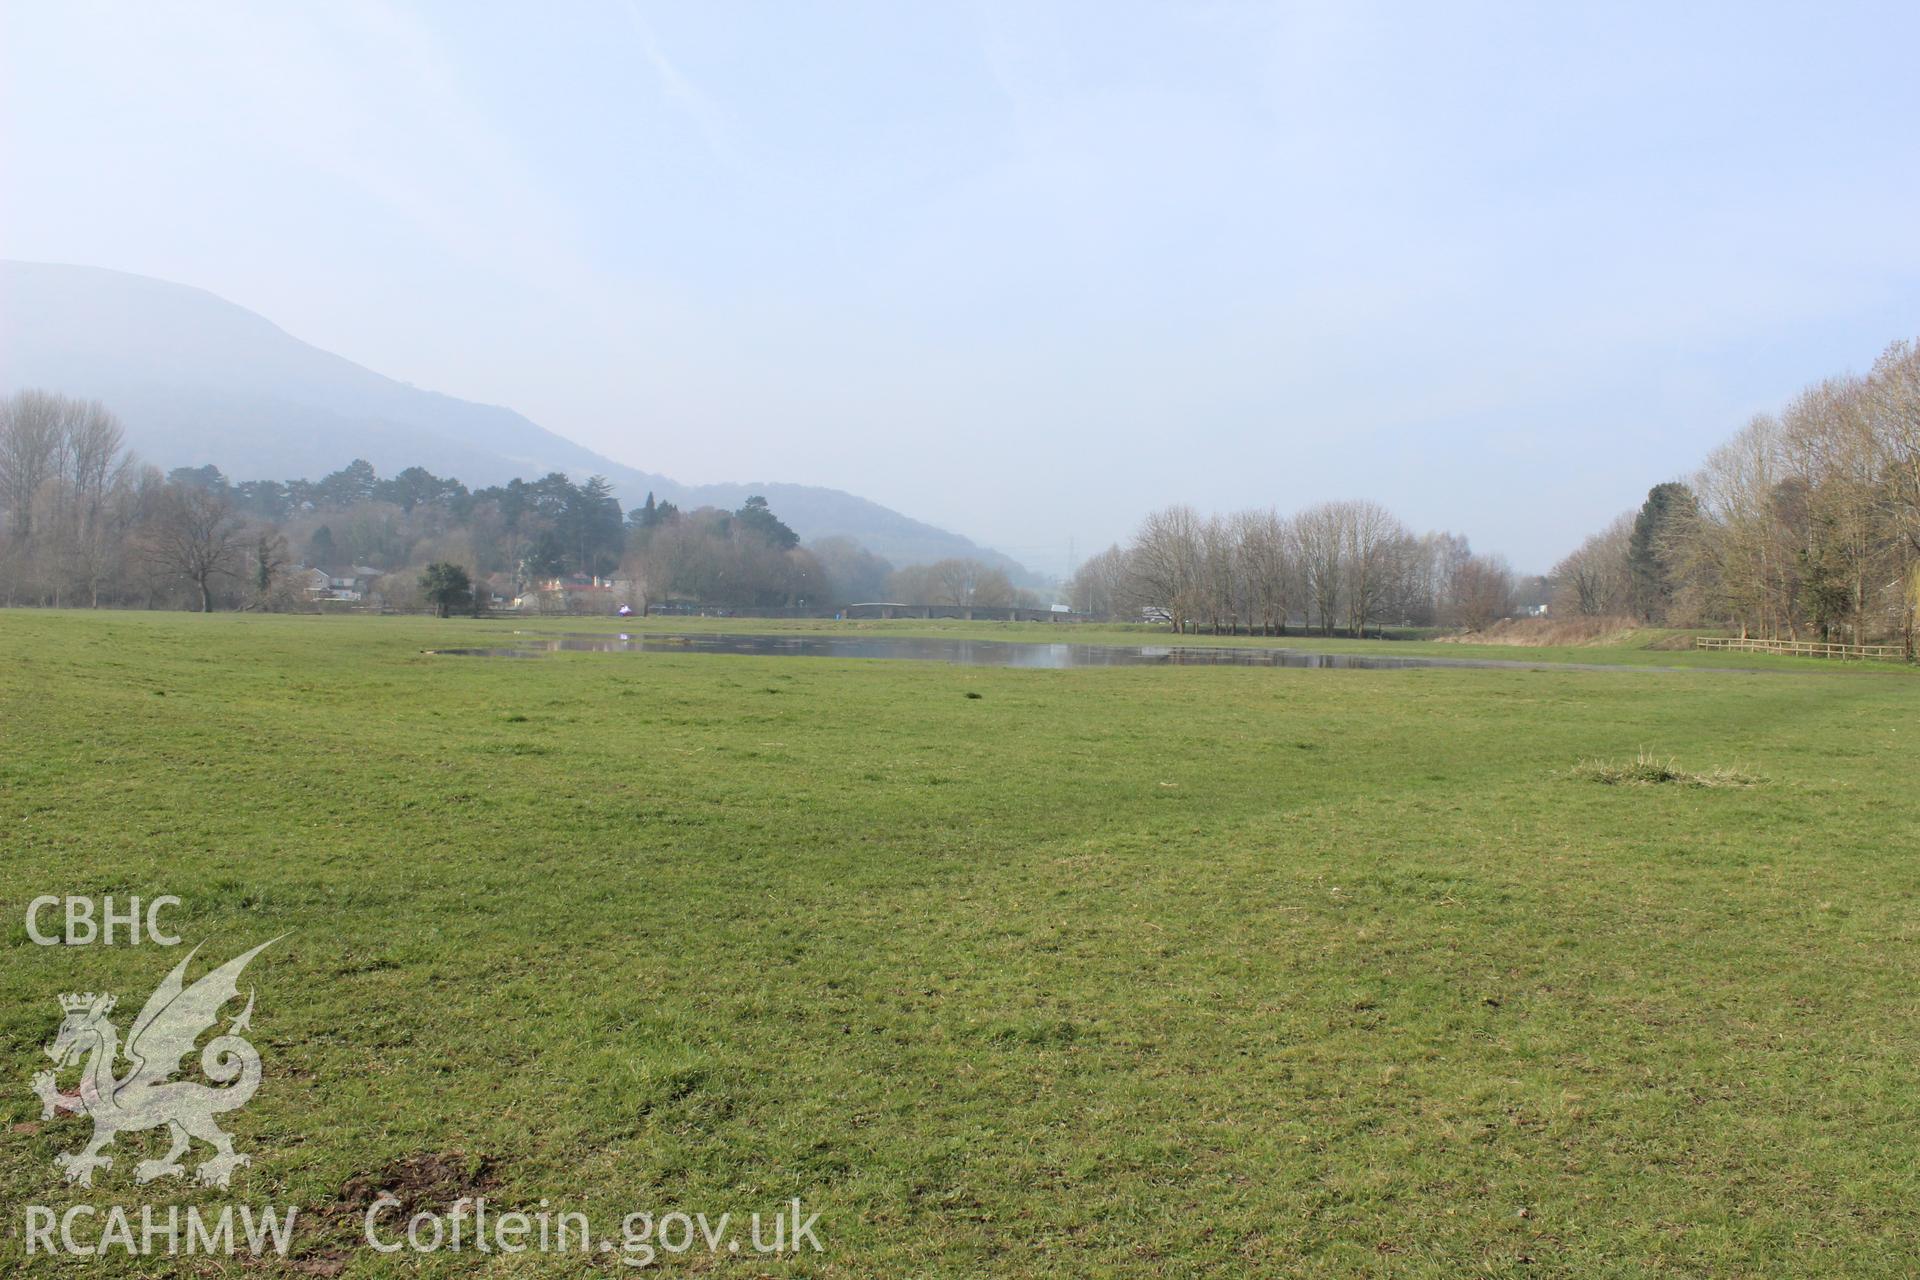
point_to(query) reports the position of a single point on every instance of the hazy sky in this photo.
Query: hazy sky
(1025, 270)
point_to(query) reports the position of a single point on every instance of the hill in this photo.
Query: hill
(197, 379)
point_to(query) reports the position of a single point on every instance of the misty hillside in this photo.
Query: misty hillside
(196, 379)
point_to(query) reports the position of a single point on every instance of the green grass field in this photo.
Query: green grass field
(1142, 972)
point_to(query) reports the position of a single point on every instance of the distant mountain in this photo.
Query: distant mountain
(196, 379)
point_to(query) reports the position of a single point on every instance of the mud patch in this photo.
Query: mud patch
(328, 1235)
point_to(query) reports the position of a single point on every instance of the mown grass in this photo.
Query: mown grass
(1150, 972)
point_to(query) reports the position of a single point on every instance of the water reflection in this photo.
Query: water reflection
(982, 653)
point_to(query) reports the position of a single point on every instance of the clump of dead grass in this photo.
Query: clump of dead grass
(1648, 769)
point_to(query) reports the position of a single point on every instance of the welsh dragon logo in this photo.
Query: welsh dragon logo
(146, 1096)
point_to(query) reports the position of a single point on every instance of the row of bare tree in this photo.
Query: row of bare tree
(965, 582)
(1338, 566)
(82, 522)
(1806, 523)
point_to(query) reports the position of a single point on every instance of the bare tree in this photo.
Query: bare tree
(1099, 586)
(1741, 557)
(1165, 562)
(196, 536)
(954, 581)
(62, 464)
(32, 435)
(1318, 535)
(1832, 502)
(95, 469)
(1265, 546)
(1481, 592)
(1893, 402)
(1368, 536)
(1219, 587)
(965, 583)
(1593, 581)
(1439, 557)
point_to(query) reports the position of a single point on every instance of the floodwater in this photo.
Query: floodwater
(989, 653)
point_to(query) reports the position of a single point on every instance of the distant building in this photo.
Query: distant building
(351, 586)
(577, 594)
(498, 590)
(357, 584)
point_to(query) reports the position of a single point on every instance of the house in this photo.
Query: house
(497, 590)
(353, 585)
(577, 594)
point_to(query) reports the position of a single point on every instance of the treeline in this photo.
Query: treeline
(740, 559)
(84, 522)
(1806, 524)
(750, 559)
(1336, 567)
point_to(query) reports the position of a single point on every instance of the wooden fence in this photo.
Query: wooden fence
(1803, 648)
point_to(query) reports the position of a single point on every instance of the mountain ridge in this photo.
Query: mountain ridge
(195, 379)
